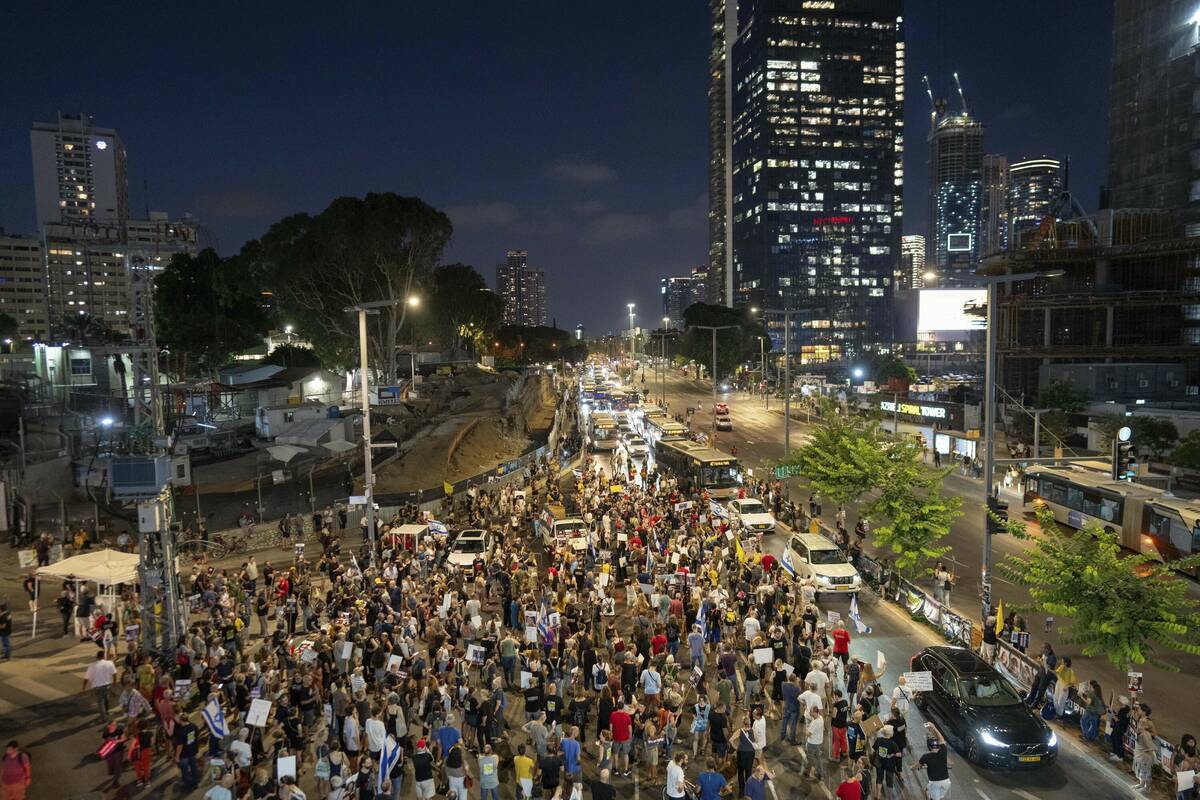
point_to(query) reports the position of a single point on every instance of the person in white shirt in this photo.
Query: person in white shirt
(751, 627)
(240, 749)
(376, 734)
(816, 679)
(810, 700)
(901, 696)
(676, 785)
(99, 678)
(759, 729)
(814, 738)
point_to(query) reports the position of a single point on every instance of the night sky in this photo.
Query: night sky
(576, 131)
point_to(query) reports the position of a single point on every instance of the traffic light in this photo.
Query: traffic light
(1124, 460)
(999, 508)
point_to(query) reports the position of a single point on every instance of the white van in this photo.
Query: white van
(814, 556)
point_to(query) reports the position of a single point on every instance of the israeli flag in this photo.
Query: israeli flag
(854, 615)
(387, 759)
(717, 510)
(785, 561)
(700, 623)
(214, 717)
(438, 527)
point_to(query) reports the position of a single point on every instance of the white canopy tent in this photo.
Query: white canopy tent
(105, 568)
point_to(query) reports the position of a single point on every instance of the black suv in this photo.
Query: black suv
(980, 713)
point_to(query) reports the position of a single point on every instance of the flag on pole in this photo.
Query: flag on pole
(387, 759)
(448, 488)
(717, 510)
(785, 561)
(1000, 617)
(214, 717)
(700, 623)
(438, 527)
(741, 553)
(859, 625)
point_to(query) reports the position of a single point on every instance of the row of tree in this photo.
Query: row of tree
(847, 460)
(1124, 607)
(307, 270)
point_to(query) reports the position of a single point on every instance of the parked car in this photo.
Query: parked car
(470, 543)
(721, 409)
(980, 713)
(636, 446)
(814, 556)
(752, 514)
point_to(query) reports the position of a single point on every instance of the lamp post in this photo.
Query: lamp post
(662, 382)
(714, 329)
(368, 472)
(632, 341)
(762, 369)
(989, 409)
(787, 375)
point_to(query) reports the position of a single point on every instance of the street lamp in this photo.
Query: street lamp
(989, 406)
(714, 329)
(762, 358)
(368, 472)
(632, 341)
(787, 375)
(858, 373)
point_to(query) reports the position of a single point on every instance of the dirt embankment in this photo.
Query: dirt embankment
(464, 425)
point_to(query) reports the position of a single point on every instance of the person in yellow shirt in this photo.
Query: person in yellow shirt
(523, 767)
(1066, 680)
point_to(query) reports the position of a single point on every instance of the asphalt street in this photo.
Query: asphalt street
(758, 435)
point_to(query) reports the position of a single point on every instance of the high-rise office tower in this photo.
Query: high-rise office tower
(523, 289)
(955, 192)
(78, 172)
(912, 261)
(817, 169)
(682, 291)
(23, 285)
(994, 231)
(723, 20)
(1151, 117)
(1033, 188)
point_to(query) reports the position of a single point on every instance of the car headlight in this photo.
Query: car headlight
(823, 581)
(1053, 740)
(990, 740)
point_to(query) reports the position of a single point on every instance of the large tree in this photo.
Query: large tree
(915, 515)
(1128, 609)
(205, 309)
(734, 344)
(461, 308)
(378, 248)
(842, 459)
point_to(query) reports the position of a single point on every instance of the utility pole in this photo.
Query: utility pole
(762, 357)
(714, 329)
(365, 394)
(787, 375)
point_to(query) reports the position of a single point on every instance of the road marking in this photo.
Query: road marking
(1023, 793)
(43, 691)
(982, 794)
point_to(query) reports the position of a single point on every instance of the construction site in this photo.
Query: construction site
(1123, 318)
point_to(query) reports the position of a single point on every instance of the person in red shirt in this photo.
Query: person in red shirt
(658, 642)
(768, 562)
(621, 725)
(849, 789)
(841, 643)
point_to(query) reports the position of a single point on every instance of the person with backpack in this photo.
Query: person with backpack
(16, 773)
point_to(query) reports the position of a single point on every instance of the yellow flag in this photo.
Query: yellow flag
(741, 554)
(1000, 617)
(449, 489)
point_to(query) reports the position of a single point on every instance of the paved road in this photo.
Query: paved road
(758, 436)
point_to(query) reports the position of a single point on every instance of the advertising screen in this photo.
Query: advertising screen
(943, 310)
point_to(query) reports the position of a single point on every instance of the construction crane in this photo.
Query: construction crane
(961, 96)
(1065, 206)
(933, 108)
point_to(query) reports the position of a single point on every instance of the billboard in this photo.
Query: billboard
(944, 310)
(959, 242)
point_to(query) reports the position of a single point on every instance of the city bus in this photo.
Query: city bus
(1078, 496)
(702, 467)
(603, 431)
(1172, 528)
(658, 429)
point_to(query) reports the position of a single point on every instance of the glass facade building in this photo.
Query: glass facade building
(1033, 187)
(818, 95)
(955, 193)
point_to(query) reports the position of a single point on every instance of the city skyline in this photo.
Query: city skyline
(630, 202)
